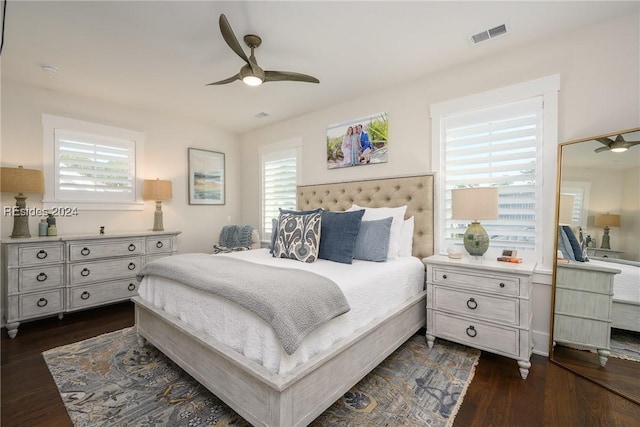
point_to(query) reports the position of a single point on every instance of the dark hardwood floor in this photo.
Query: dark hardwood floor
(551, 395)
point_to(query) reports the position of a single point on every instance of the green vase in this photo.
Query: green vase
(476, 239)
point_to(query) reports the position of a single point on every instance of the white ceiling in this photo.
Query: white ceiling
(583, 155)
(158, 55)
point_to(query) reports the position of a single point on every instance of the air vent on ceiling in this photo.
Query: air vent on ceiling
(261, 115)
(489, 34)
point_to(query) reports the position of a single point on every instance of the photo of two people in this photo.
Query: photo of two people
(357, 142)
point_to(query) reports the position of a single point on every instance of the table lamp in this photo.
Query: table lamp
(475, 204)
(158, 190)
(606, 220)
(20, 180)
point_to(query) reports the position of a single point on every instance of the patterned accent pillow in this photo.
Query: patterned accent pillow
(218, 249)
(298, 236)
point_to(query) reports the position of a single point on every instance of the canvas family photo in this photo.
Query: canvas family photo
(355, 142)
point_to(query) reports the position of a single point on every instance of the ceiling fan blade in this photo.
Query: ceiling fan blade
(605, 141)
(225, 81)
(276, 76)
(230, 38)
(601, 149)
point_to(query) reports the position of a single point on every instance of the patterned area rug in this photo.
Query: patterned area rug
(110, 381)
(625, 344)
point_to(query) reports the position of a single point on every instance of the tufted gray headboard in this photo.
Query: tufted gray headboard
(414, 191)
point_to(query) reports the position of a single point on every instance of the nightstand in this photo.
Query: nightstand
(603, 253)
(481, 303)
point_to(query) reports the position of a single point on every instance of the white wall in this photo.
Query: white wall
(631, 214)
(598, 67)
(165, 157)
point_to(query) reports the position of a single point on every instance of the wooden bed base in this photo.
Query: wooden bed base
(626, 315)
(267, 399)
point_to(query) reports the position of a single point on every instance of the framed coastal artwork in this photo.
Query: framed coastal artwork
(206, 177)
(358, 142)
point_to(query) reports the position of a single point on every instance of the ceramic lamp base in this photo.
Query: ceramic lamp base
(476, 239)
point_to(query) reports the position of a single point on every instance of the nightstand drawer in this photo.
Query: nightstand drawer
(112, 248)
(88, 272)
(159, 244)
(503, 285)
(477, 334)
(503, 310)
(86, 296)
(37, 304)
(45, 277)
(40, 254)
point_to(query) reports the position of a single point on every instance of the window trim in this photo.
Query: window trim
(49, 125)
(548, 88)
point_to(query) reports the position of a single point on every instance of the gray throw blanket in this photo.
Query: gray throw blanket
(234, 236)
(294, 302)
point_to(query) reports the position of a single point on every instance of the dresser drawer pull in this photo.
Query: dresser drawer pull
(42, 254)
(85, 251)
(502, 285)
(131, 287)
(132, 247)
(159, 245)
(471, 331)
(85, 295)
(444, 276)
(41, 277)
(472, 304)
(85, 272)
(132, 266)
(42, 302)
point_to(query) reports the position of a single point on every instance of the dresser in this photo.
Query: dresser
(481, 303)
(603, 253)
(44, 276)
(583, 314)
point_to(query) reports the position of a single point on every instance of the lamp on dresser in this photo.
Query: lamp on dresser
(477, 203)
(606, 220)
(20, 180)
(158, 190)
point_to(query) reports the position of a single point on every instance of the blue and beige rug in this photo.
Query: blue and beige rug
(110, 381)
(625, 344)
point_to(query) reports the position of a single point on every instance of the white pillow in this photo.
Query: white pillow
(372, 214)
(406, 238)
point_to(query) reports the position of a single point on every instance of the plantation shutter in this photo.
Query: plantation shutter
(496, 147)
(92, 167)
(279, 185)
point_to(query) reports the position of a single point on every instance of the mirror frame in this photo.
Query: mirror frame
(555, 263)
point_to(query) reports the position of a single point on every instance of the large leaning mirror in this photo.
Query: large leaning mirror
(596, 316)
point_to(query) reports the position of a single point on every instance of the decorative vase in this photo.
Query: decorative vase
(476, 239)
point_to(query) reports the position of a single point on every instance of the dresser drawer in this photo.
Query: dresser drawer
(477, 334)
(111, 248)
(503, 310)
(581, 331)
(35, 305)
(45, 277)
(88, 272)
(40, 254)
(498, 284)
(91, 295)
(159, 244)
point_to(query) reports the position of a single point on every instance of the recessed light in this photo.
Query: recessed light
(49, 69)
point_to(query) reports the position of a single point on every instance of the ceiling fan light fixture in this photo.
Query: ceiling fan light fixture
(252, 80)
(619, 149)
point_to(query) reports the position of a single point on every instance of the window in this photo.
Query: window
(92, 165)
(279, 182)
(495, 139)
(580, 193)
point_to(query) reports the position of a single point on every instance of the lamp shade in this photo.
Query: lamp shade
(566, 209)
(21, 180)
(156, 189)
(607, 220)
(474, 203)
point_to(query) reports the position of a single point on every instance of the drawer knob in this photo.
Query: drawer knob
(444, 276)
(159, 245)
(85, 272)
(85, 295)
(502, 285)
(132, 247)
(132, 266)
(472, 304)
(42, 302)
(41, 277)
(131, 287)
(85, 251)
(42, 254)
(471, 331)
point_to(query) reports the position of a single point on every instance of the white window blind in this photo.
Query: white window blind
(93, 167)
(279, 178)
(496, 147)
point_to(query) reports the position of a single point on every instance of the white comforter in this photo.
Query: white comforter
(372, 290)
(626, 285)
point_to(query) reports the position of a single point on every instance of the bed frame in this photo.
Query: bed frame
(298, 397)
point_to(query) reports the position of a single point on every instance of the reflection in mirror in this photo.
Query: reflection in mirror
(596, 322)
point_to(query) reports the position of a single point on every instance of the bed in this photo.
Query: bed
(291, 393)
(626, 293)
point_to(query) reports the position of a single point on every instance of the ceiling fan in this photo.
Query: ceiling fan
(617, 145)
(251, 73)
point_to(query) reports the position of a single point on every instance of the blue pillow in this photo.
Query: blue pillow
(564, 245)
(338, 234)
(372, 243)
(575, 245)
